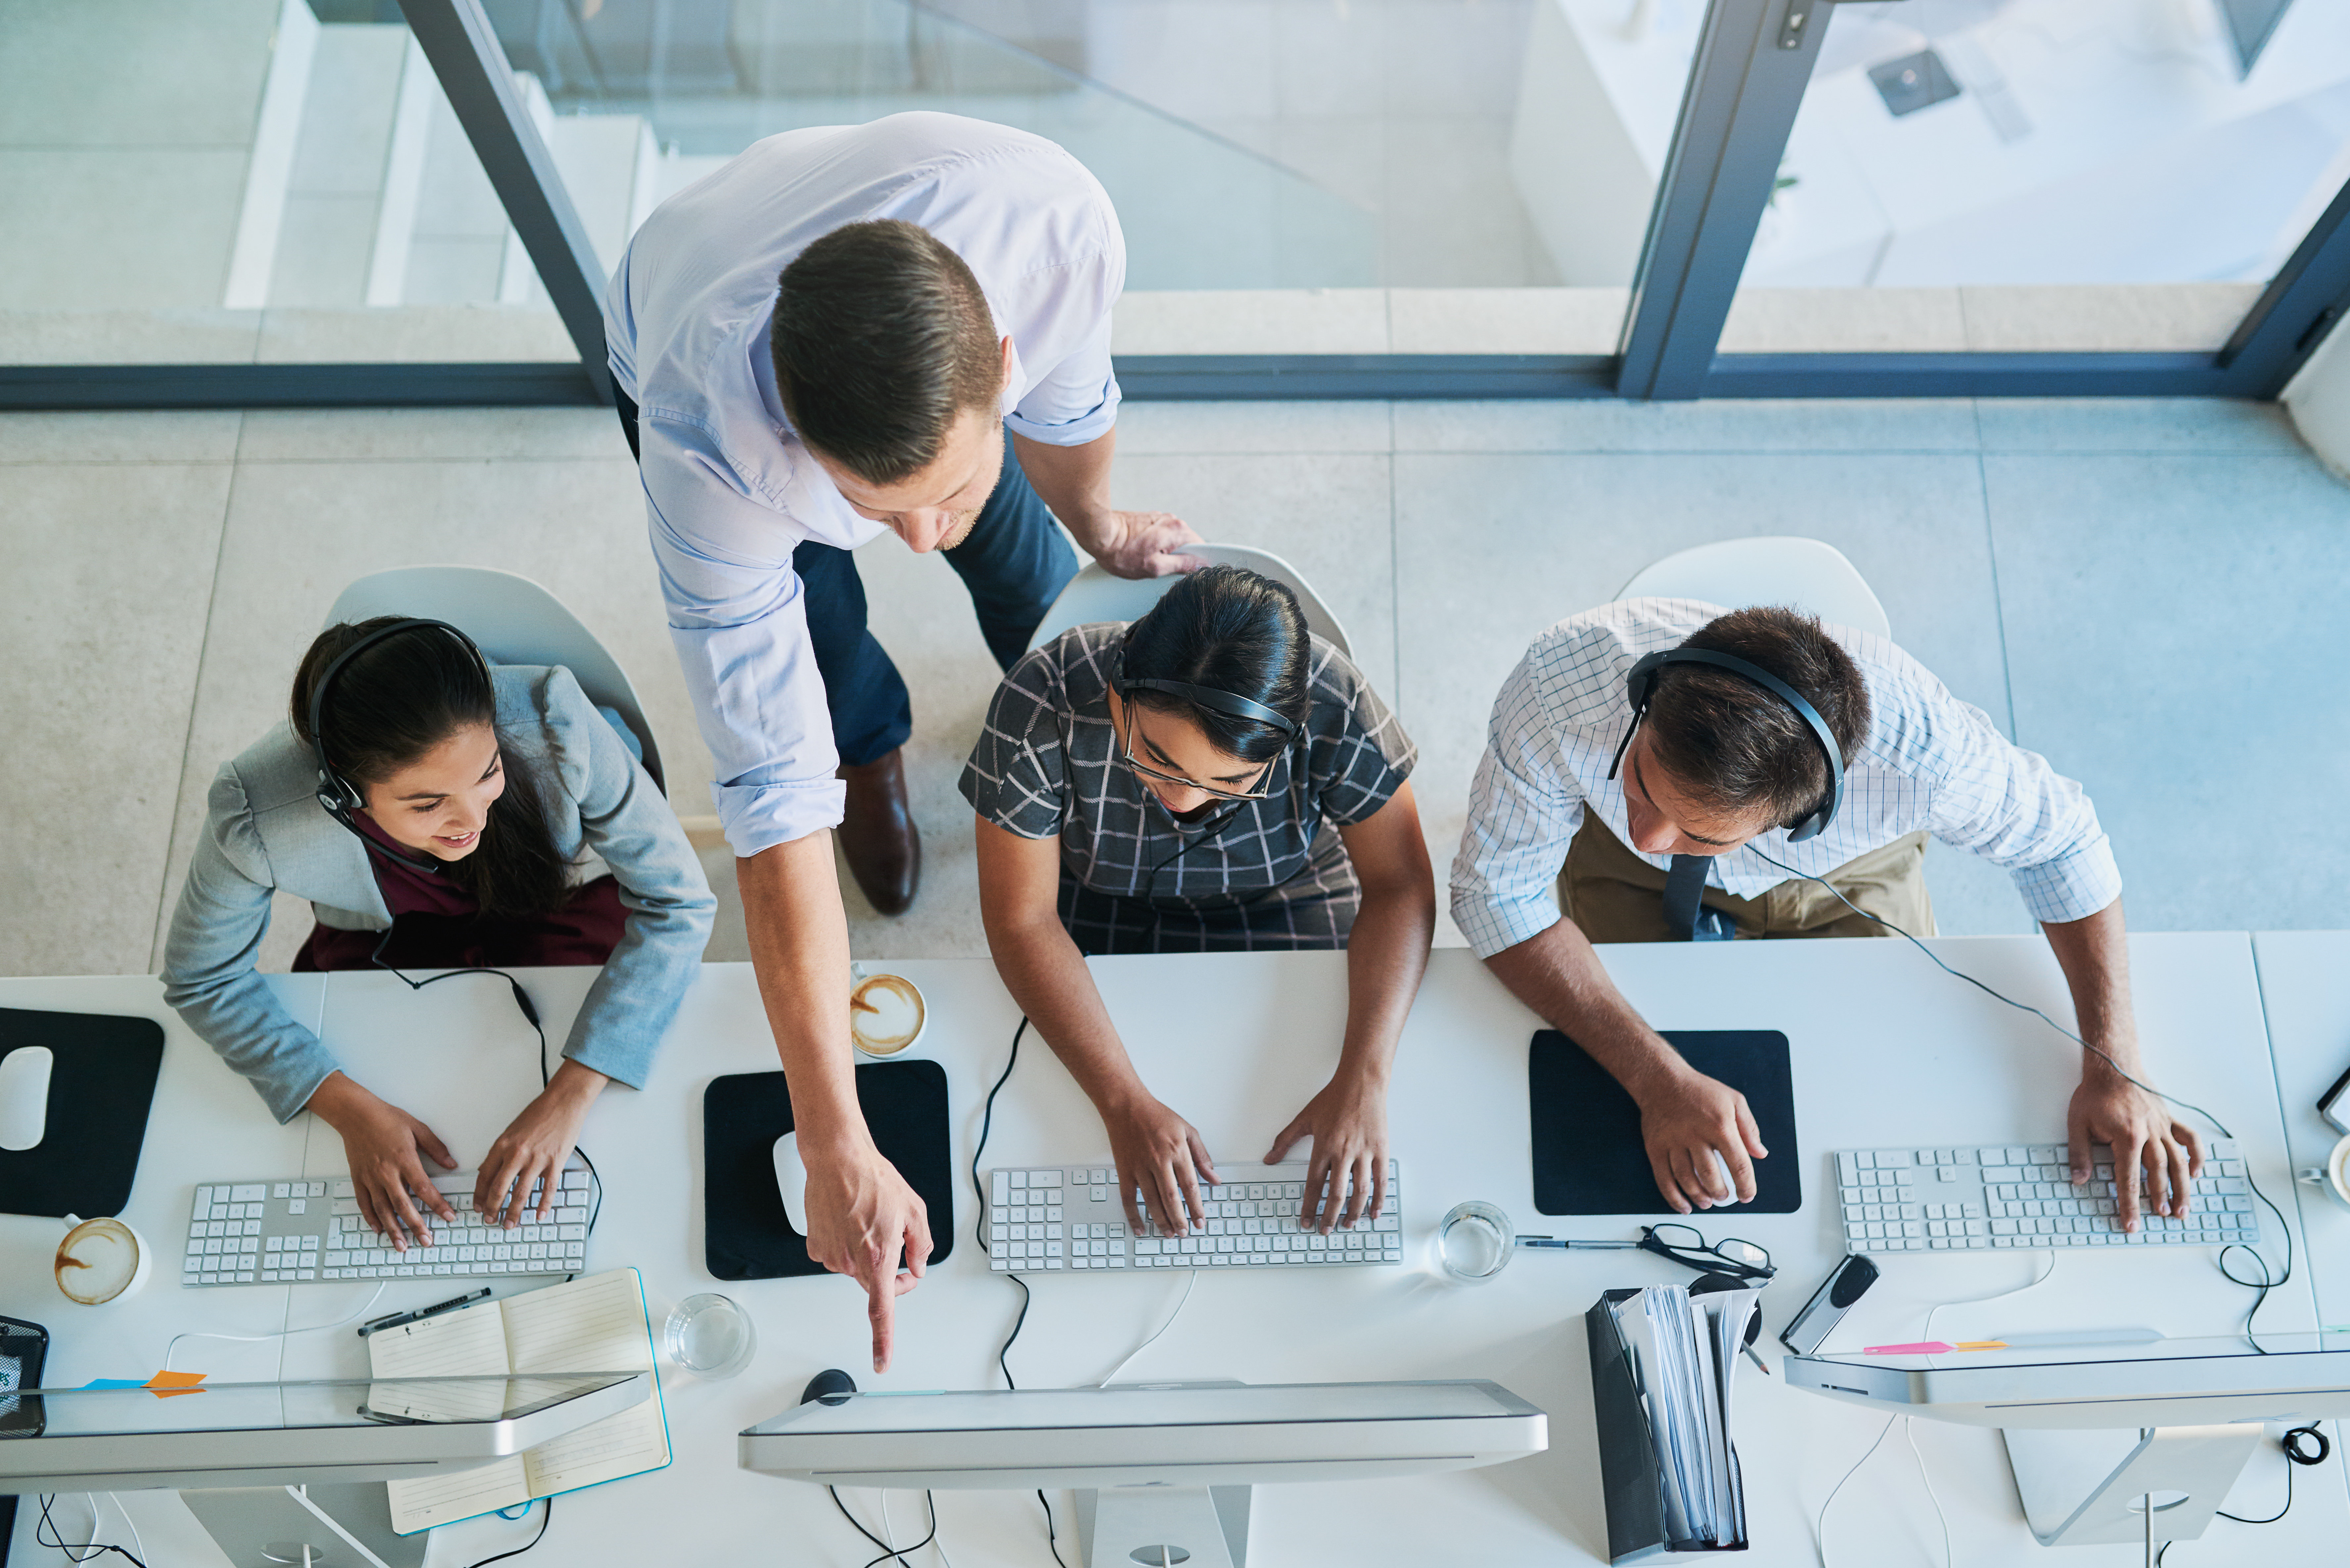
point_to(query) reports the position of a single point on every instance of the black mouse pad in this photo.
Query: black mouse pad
(101, 1082)
(1589, 1158)
(745, 1235)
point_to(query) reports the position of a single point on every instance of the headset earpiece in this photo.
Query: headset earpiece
(1640, 686)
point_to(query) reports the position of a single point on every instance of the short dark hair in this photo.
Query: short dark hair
(397, 700)
(1735, 746)
(1228, 629)
(881, 336)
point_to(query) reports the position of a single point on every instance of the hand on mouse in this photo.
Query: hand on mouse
(1689, 1121)
(383, 1143)
(535, 1146)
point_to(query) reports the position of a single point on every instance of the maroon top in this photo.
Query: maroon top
(437, 924)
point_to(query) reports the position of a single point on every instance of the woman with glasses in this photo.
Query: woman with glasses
(1210, 778)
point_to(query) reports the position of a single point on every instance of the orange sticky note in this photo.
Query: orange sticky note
(167, 1385)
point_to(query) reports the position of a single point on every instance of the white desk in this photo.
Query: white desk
(2305, 986)
(1886, 1050)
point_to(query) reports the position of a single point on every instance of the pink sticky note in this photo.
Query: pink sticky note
(1923, 1348)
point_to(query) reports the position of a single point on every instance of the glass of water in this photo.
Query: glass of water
(709, 1334)
(1474, 1242)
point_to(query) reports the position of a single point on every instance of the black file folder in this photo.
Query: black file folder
(1630, 1479)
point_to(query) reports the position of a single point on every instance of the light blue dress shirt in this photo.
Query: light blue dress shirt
(731, 491)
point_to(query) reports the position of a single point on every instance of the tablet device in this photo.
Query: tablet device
(1587, 1154)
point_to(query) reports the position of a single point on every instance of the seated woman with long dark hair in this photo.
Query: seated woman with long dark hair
(438, 813)
(1210, 778)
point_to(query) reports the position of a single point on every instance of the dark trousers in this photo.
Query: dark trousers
(1014, 564)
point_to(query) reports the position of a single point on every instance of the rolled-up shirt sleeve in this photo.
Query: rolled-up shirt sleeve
(1994, 798)
(738, 617)
(1075, 401)
(1524, 807)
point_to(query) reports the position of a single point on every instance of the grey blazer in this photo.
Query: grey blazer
(266, 832)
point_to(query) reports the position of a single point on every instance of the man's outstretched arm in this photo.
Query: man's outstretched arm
(860, 1211)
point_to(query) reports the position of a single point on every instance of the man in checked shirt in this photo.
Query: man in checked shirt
(1715, 810)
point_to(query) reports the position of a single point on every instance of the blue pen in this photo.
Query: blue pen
(1575, 1246)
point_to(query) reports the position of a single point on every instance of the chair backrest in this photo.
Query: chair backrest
(1804, 574)
(1094, 594)
(513, 620)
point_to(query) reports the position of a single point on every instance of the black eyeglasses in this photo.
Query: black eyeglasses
(1685, 1245)
(1257, 791)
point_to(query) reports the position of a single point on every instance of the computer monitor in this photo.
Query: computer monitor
(1163, 1469)
(2100, 1435)
(271, 1464)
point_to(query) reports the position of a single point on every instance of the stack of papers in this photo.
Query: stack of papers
(1684, 1352)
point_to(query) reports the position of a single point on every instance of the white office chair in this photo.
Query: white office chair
(1094, 594)
(513, 620)
(1803, 574)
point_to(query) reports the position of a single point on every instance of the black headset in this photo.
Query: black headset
(1640, 687)
(1229, 703)
(340, 797)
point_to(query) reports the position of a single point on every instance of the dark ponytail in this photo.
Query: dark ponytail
(1228, 629)
(399, 700)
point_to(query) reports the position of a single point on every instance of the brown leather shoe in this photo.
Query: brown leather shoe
(878, 834)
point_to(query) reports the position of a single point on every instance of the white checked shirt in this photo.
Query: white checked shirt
(731, 491)
(1929, 762)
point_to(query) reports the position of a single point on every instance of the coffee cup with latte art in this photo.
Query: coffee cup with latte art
(886, 1015)
(100, 1260)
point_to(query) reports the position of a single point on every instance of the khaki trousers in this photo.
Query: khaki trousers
(1617, 896)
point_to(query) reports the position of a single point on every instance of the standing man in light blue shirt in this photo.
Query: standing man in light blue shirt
(903, 325)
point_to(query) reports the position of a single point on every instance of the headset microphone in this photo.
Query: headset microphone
(1640, 687)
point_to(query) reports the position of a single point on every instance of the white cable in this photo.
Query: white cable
(2037, 1280)
(1909, 1431)
(128, 1524)
(889, 1531)
(1162, 1328)
(1820, 1519)
(282, 1333)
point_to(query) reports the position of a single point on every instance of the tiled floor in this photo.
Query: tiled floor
(2141, 590)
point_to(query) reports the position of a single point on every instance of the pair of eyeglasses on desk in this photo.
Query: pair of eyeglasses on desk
(1685, 1245)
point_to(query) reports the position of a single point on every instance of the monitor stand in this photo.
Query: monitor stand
(344, 1524)
(2082, 1489)
(1159, 1526)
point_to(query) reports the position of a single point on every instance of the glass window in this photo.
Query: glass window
(242, 181)
(2047, 174)
(1491, 163)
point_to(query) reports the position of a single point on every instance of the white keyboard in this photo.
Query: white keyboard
(305, 1229)
(2001, 1196)
(1070, 1217)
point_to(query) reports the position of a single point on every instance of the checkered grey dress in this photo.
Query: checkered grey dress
(1270, 872)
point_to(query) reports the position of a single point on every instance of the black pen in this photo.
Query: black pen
(1575, 1246)
(396, 1319)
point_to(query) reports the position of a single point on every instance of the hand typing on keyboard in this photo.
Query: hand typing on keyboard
(535, 1146)
(1161, 1157)
(386, 1147)
(2164, 1152)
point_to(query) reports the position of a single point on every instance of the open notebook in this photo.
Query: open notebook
(594, 1325)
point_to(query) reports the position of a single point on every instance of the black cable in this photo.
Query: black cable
(979, 1227)
(45, 1533)
(2290, 1443)
(530, 1016)
(544, 1520)
(1051, 1538)
(2261, 1287)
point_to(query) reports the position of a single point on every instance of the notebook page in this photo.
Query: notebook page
(471, 1341)
(421, 1503)
(594, 1325)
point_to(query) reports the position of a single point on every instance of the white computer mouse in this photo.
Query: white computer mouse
(24, 1096)
(791, 1180)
